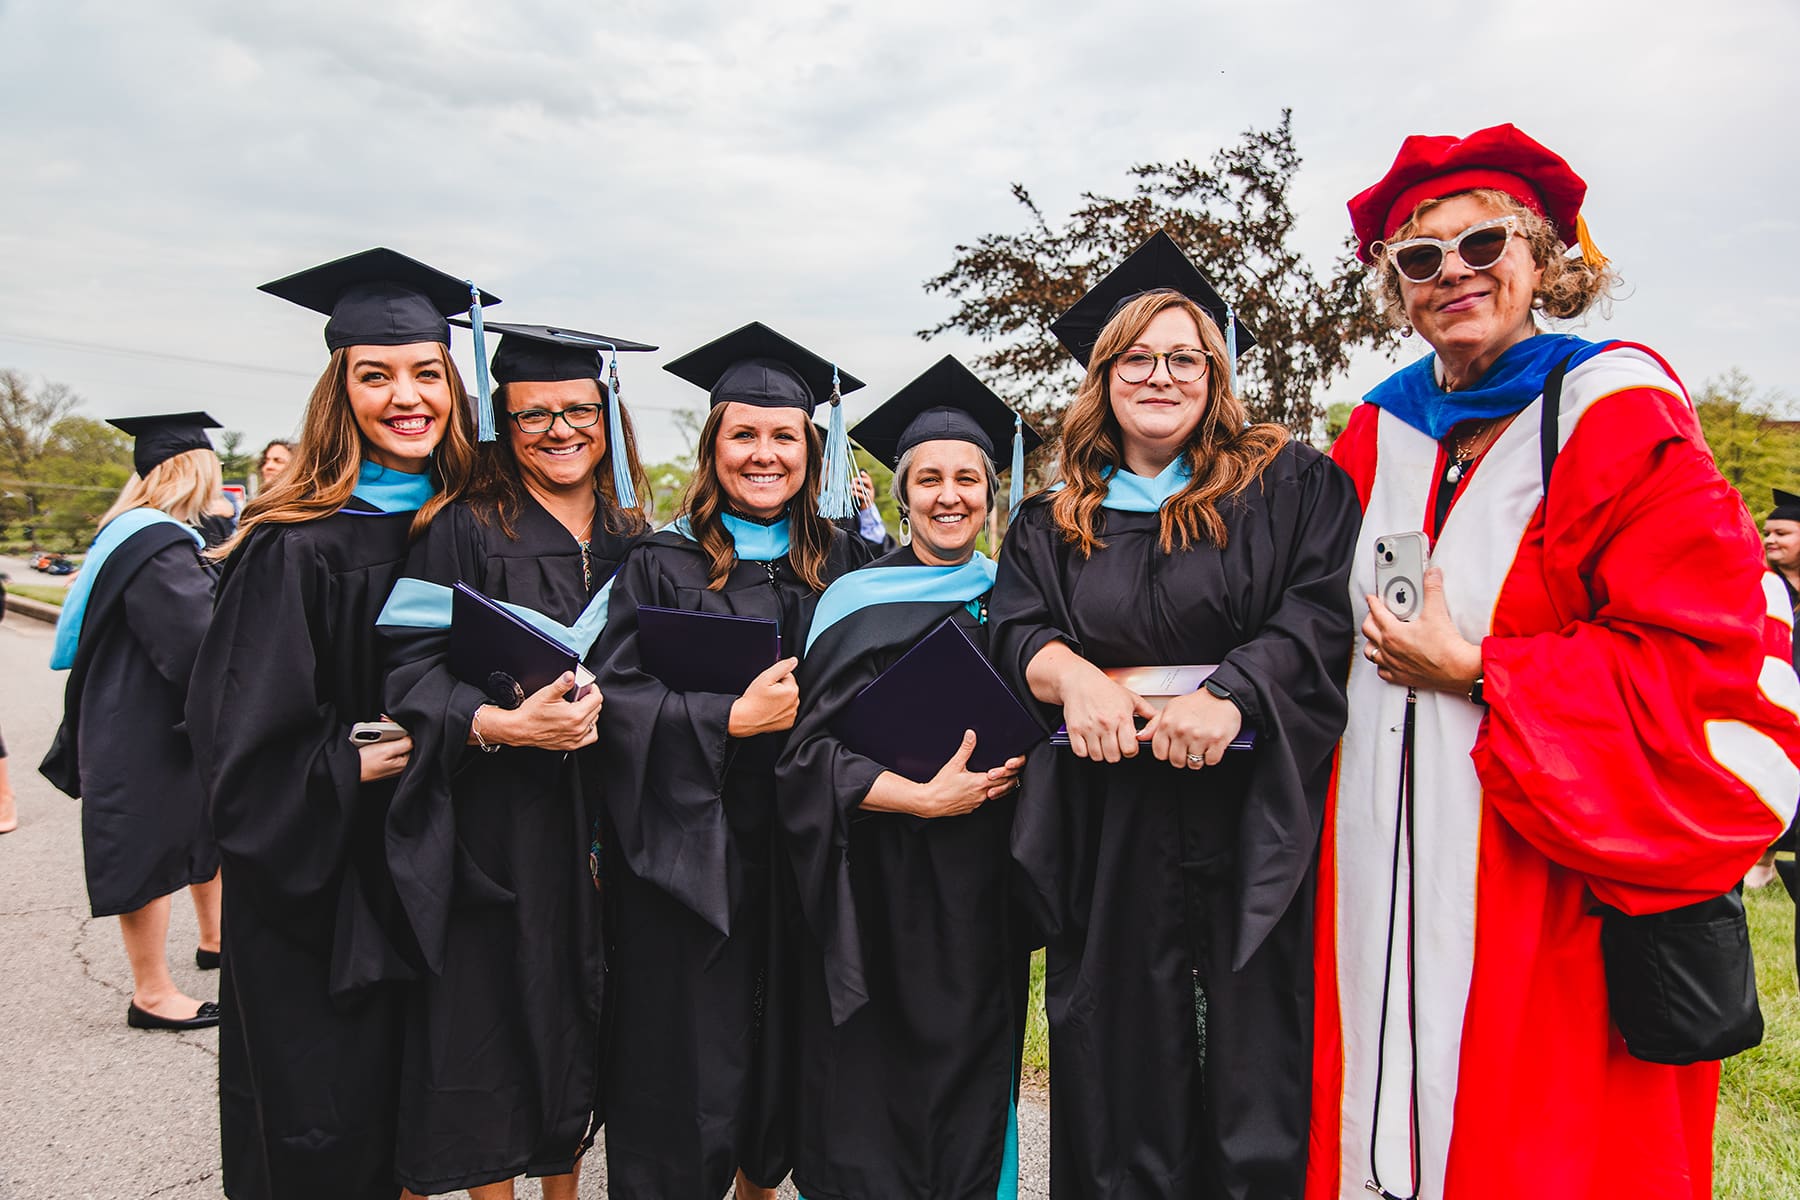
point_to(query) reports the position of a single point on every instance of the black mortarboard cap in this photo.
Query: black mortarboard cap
(946, 403)
(1157, 264)
(379, 298)
(756, 365)
(547, 353)
(161, 438)
(1787, 506)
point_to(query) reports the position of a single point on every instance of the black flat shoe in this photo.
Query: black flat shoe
(206, 960)
(206, 1018)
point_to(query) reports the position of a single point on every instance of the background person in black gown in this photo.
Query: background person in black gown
(913, 990)
(129, 631)
(699, 1069)
(309, 1049)
(1173, 878)
(490, 850)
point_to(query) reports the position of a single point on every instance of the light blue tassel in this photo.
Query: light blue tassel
(1231, 346)
(484, 392)
(836, 499)
(1016, 491)
(615, 435)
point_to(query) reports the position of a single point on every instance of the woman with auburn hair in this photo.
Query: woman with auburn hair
(128, 633)
(492, 826)
(698, 1058)
(1170, 866)
(315, 941)
(1594, 696)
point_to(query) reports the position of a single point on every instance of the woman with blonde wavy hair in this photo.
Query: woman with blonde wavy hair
(1166, 838)
(1594, 695)
(129, 631)
(316, 942)
(698, 1066)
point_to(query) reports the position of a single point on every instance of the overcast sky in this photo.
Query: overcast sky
(668, 171)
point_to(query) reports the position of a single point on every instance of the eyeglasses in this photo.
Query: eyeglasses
(540, 420)
(1480, 246)
(1137, 366)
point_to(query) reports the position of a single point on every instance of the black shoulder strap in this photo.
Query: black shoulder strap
(1549, 439)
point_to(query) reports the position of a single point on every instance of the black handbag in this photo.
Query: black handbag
(1681, 985)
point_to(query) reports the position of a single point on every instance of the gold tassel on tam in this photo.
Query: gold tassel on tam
(1590, 253)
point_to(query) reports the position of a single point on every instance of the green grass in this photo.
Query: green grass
(38, 591)
(1037, 1028)
(1756, 1148)
(1757, 1144)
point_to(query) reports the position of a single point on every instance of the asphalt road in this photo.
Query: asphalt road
(93, 1110)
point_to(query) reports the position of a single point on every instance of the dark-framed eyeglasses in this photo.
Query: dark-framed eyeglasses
(1480, 246)
(1137, 366)
(539, 420)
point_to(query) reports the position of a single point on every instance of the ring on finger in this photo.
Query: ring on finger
(1196, 760)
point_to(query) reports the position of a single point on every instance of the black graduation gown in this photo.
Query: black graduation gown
(912, 929)
(700, 1031)
(1154, 884)
(309, 1045)
(490, 854)
(144, 832)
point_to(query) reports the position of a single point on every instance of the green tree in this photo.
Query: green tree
(234, 464)
(54, 467)
(1755, 448)
(1232, 216)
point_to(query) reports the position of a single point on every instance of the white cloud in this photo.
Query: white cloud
(668, 171)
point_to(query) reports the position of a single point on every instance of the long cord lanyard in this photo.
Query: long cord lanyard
(1403, 835)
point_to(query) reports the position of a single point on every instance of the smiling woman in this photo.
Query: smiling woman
(906, 1039)
(1596, 692)
(699, 1054)
(310, 1040)
(1171, 873)
(513, 987)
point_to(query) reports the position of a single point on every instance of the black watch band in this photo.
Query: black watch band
(1476, 694)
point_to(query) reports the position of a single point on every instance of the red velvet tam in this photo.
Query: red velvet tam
(1501, 157)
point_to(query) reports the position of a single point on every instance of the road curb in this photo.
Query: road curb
(37, 610)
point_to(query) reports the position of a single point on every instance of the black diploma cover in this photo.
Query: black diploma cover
(705, 652)
(499, 652)
(912, 717)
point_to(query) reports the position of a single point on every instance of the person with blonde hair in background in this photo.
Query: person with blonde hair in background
(128, 634)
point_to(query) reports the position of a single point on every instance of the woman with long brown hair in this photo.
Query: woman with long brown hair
(697, 1060)
(128, 633)
(492, 826)
(309, 1051)
(1168, 865)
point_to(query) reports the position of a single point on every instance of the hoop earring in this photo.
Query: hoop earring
(1406, 330)
(905, 530)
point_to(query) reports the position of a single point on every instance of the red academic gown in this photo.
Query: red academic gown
(1638, 748)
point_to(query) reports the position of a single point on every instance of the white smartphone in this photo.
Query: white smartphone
(1400, 573)
(367, 733)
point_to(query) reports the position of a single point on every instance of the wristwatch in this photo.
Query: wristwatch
(1222, 692)
(1476, 695)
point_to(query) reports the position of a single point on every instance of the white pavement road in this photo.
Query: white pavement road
(90, 1109)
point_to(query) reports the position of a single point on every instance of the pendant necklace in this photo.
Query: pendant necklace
(1466, 449)
(585, 541)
